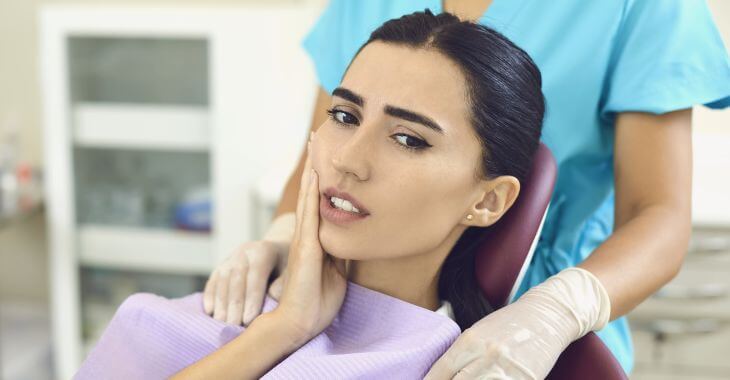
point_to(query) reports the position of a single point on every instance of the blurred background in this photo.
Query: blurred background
(130, 124)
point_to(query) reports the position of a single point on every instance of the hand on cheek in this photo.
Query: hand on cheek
(314, 283)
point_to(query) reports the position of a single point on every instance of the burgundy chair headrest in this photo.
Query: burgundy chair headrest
(587, 358)
(508, 245)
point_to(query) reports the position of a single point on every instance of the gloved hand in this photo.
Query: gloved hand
(235, 291)
(524, 339)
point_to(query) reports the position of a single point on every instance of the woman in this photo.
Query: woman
(620, 78)
(432, 128)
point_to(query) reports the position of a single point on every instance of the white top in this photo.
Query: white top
(446, 309)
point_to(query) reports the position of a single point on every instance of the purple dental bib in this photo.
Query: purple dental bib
(374, 336)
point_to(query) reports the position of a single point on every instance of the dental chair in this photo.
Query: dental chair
(502, 258)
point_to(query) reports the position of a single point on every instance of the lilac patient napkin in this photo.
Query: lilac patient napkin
(374, 336)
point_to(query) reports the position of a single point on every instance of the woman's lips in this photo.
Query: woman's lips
(334, 192)
(335, 215)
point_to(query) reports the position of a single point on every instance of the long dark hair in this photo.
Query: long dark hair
(507, 108)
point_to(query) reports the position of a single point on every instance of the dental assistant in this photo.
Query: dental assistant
(620, 78)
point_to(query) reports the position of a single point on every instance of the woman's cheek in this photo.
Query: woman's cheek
(319, 152)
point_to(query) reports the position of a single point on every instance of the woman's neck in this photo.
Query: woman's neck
(413, 279)
(405, 279)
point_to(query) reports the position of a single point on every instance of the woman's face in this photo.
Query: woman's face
(416, 182)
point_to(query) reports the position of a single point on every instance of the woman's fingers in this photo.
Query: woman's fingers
(301, 269)
(310, 223)
(303, 186)
(209, 293)
(236, 291)
(307, 259)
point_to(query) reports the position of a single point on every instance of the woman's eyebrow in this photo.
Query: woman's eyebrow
(348, 95)
(390, 110)
(414, 117)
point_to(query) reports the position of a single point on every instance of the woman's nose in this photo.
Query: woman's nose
(353, 156)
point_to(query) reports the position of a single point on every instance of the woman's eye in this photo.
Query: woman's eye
(405, 138)
(342, 117)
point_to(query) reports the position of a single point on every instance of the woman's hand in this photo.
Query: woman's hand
(314, 284)
(524, 339)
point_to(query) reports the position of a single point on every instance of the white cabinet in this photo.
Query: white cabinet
(146, 109)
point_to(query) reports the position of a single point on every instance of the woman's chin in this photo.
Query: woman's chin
(339, 246)
(336, 251)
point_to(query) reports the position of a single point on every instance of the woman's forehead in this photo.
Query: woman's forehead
(417, 79)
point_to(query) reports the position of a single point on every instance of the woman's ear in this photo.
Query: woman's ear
(500, 194)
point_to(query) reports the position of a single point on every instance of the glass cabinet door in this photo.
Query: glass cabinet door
(140, 130)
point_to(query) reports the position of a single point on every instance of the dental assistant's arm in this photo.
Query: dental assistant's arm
(652, 226)
(250, 355)
(288, 202)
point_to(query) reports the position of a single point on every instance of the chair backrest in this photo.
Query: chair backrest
(506, 251)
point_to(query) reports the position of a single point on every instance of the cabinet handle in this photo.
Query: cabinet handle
(702, 291)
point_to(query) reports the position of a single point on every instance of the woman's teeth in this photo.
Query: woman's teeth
(343, 205)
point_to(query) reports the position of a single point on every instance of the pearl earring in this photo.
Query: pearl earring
(469, 217)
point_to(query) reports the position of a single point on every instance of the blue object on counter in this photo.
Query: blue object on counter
(194, 213)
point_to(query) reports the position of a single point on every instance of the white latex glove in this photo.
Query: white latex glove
(281, 232)
(524, 339)
(235, 291)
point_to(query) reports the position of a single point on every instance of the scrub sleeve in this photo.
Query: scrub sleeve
(645, 55)
(668, 56)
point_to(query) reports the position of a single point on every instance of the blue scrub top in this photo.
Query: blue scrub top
(597, 58)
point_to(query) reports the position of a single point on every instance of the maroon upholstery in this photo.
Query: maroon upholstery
(587, 358)
(507, 243)
(504, 252)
